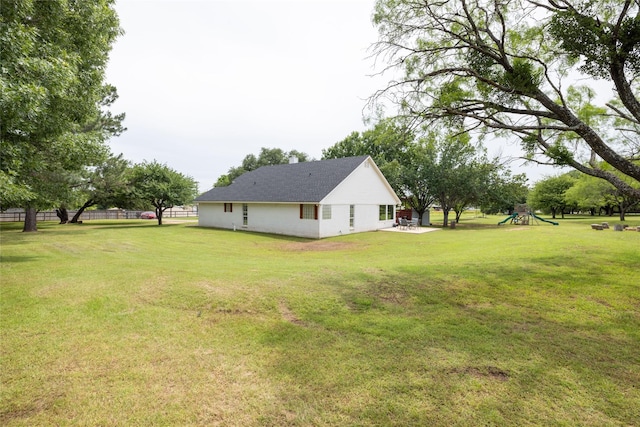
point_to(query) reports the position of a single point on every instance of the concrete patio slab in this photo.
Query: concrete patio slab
(418, 230)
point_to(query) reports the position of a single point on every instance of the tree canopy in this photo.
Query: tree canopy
(453, 172)
(510, 66)
(548, 195)
(106, 185)
(436, 165)
(52, 96)
(388, 143)
(504, 191)
(157, 185)
(591, 194)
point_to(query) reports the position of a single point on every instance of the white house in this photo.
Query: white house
(309, 199)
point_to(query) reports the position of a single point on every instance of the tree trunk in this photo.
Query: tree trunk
(445, 213)
(159, 216)
(63, 214)
(75, 218)
(30, 220)
(622, 211)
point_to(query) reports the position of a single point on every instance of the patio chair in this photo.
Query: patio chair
(403, 224)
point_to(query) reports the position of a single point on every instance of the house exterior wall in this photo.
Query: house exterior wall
(276, 218)
(213, 215)
(280, 219)
(364, 186)
(365, 189)
(366, 218)
(285, 219)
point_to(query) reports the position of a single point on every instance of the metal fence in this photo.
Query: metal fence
(18, 216)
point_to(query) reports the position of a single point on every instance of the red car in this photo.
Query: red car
(148, 215)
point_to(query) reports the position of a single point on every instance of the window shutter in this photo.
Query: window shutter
(315, 211)
(301, 211)
(230, 207)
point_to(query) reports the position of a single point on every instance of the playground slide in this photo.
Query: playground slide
(542, 219)
(512, 216)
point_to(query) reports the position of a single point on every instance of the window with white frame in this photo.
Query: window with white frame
(326, 211)
(386, 212)
(352, 215)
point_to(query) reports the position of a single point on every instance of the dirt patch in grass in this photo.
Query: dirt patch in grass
(389, 292)
(288, 315)
(483, 372)
(318, 245)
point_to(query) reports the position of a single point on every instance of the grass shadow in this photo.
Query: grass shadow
(17, 259)
(226, 231)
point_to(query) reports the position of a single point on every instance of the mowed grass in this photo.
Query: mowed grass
(128, 323)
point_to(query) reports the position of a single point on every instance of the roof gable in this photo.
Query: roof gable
(288, 183)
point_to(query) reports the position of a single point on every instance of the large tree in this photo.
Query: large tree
(457, 175)
(548, 195)
(504, 191)
(507, 66)
(157, 185)
(438, 166)
(589, 193)
(105, 185)
(52, 91)
(414, 177)
(387, 142)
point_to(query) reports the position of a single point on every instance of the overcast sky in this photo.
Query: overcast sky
(204, 83)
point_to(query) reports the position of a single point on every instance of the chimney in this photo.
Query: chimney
(293, 159)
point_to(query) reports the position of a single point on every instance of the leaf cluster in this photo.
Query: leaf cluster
(507, 67)
(584, 34)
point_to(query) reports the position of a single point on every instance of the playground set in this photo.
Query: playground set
(524, 216)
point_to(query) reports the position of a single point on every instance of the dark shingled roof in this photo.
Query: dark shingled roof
(293, 183)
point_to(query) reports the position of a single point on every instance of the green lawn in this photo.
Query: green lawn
(127, 323)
